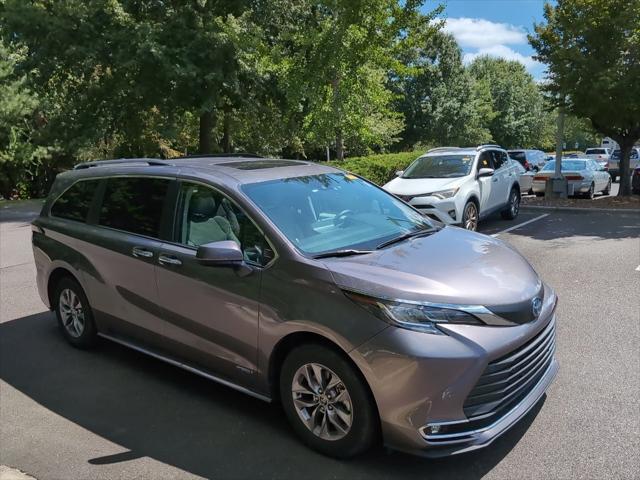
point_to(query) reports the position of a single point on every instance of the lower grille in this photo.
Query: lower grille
(507, 380)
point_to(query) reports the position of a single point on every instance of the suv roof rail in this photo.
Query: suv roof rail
(442, 149)
(121, 161)
(488, 145)
(222, 155)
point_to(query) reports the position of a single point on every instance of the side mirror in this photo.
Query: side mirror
(399, 173)
(225, 253)
(485, 172)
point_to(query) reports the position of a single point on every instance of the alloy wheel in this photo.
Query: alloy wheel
(71, 312)
(471, 216)
(322, 401)
(515, 203)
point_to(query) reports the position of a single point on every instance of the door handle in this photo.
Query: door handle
(169, 260)
(141, 252)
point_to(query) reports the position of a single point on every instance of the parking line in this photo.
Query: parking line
(522, 224)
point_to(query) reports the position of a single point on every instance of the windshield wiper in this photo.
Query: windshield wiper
(406, 236)
(341, 253)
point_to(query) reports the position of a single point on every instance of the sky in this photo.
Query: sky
(494, 27)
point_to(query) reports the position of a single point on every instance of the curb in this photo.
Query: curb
(579, 209)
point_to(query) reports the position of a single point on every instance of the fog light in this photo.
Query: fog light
(433, 429)
(452, 214)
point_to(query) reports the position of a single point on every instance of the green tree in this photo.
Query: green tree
(19, 157)
(440, 102)
(516, 101)
(592, 52)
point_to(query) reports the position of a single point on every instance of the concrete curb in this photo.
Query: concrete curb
(579, 209)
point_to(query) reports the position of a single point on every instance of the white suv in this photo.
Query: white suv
(460, 186)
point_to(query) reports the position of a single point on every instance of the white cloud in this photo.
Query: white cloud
(481, 33)
(478, 36)
(502, 51)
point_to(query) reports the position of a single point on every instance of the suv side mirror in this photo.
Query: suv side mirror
(225, 253)
(399, 173)
(485, 172)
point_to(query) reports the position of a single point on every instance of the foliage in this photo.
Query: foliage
(516, 104)
(592, 49)
(378, 168)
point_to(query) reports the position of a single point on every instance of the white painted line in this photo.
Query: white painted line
(521, 224)
(638, 268)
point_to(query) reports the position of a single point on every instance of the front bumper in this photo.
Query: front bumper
(420, 381)
(442, 210)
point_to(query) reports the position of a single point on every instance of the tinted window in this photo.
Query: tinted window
(485, 160)
(134, 204)
(74, 204)
(498, 159)
(207, 216)
(595, 151)
(518, 155)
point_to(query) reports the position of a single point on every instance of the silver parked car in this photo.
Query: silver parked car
(599, 154)
(584, 177)
(525, 179)
(303, 284)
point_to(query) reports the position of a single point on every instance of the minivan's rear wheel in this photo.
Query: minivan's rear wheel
(513, 206)
(327, 402)
(470, 216)
(74, 314)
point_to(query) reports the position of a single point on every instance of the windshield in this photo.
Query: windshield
(566, 165)
(440, 166)
(335, 211)
(518, 155)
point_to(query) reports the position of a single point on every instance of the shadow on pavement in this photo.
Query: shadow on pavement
(158, 411)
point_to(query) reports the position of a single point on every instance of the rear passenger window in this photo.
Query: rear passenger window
(134, 204)
(74, 204)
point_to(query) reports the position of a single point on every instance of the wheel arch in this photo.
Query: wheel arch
(55, 276)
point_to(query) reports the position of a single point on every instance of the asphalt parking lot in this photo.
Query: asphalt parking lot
(113, 413)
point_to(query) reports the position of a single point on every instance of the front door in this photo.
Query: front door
(211, 312)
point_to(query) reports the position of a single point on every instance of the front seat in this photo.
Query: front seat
(203, 225)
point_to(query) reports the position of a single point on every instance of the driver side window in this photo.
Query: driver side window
(485, 160)
(206, 215)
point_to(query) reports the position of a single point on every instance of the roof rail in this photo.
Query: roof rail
(442, 149)
(488, 145)
(222, 155)
(121, 161)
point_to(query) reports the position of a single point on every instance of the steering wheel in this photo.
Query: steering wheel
(342, 218)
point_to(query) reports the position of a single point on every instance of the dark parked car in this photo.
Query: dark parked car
(303, 284)
(635, 181)
(614, 162)
(531, 160)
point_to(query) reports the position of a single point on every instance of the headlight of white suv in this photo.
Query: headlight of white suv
(443, 194)
(413, 316)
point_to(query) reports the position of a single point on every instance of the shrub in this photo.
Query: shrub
(377, 168)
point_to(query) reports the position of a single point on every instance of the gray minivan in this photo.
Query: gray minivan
(303, 284)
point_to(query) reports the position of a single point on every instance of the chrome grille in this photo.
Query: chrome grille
(507, 380)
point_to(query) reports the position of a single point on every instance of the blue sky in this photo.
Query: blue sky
(494, 27)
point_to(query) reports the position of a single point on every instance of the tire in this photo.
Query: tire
(591, 193)
(358, 420)
(470, 216)
(513, 206)
(613, 178)
(607, 190)
(75, 317)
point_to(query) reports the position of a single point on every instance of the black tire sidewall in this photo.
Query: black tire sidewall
(513, 197)
(365, 427)
(89, 335)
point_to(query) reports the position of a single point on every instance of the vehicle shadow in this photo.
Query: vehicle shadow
(159, 411)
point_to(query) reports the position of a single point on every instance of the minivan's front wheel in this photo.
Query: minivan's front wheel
(470, 216)
(513, 206)
(327, 403)
(74, 314)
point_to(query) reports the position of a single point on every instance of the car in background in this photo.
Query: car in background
(614, 162)
(599, 154)
(460, 186)
(635, 181)
(584, 176)
(525, 179)
(531, 160)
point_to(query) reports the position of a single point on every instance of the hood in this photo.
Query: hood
(420, 186)
(451, 266)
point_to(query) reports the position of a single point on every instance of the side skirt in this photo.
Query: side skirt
(186, 367)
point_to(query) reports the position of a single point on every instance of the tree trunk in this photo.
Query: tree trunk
(335, 85)
(205, 142)
(626, 144)
(226, 136)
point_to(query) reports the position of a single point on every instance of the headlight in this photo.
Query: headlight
(412, 316)
(445, 193)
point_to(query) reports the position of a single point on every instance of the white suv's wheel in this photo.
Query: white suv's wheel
(470, 216)
(513, 206)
